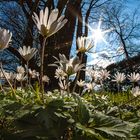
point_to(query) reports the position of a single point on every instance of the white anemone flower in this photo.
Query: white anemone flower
(5, 38)
(136, 91)
(10, 76)
(49, 24)
(104, 74)
(134, 77)
(92, 73)
(81, 83)
(27, 52)
(20, 69)
(89, 86)
(63, 85)
(62, 60)
(60, 74)
(119, 77)
(45, 79)
(33, 73)
(20, 77)
(71, 66)
(84, 44)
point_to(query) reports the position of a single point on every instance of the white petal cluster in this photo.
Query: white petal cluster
(20, 69)
(71, 66)
(84, 44)
(45, 79)
(63, 85)
(119, 77)
(81, 83)
(27, 52)
(5, 38)
(33, 73)
(134, 77)
(89, 86)
(9, 75)
(92, 73)
(20, 77)
(135, 91)
(60, 74)
(48, 24)
(104, 74)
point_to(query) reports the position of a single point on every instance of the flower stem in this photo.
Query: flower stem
(27, 70)
(42, 66)
(78, 74)
(80, 90)
(68, 89)
(13, 92)
(1, 88)
(118, 86)
(21, 84)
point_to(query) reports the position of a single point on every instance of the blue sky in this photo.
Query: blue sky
(96, 58)
(133, 3)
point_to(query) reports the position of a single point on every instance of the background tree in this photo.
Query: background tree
(79, 13)
(125, 27)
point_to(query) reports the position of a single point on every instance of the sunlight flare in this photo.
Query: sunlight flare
(97, 34)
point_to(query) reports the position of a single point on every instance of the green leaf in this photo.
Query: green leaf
(83, 112)
(89, 132)
(111, 126)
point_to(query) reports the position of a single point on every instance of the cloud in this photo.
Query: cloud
(101, 59)
(101, 63)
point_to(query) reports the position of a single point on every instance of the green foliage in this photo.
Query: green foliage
(136, 130)
(66, 117)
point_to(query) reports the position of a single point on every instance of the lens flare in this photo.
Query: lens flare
(98, 34)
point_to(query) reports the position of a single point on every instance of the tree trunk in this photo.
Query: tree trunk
(61, 42)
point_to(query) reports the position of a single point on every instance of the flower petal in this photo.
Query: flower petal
(53, 17)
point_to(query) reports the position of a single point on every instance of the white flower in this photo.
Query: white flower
(71, 66)
(104, 97)
(84, 44)
(20, 77)
(89, 86)
(49, 24)
(104, 74)
(20, 69)
(5, 38)
(135, 91)
(33, 73)
(9, 75)
(60, 74)
(45, 79)
(62, 60)
(81, 83)
(92, 73)
(63, 85)
(134, 77)
(27, 52)
(119, 77)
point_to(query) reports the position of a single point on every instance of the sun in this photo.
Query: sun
(97, 34)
